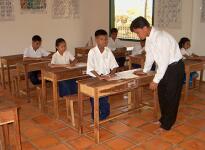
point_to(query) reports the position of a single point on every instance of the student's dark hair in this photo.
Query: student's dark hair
(139, 22)
(100, 32)
(36, 38)
(114, 30)
(59, 41)
(183, 41)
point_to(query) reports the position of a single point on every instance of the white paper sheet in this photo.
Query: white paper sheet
(125, 75)
(78, 65)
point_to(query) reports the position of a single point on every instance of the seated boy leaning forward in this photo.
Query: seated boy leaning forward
(35, 52)
(102, 65)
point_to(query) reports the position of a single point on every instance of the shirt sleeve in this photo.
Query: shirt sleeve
(164, 44)
(113, 62)
(71, 57)
(44, 53)
(90, 64)
(149, 60)
(119, 43)
(183, 52)
(53, 60)
(26, 53)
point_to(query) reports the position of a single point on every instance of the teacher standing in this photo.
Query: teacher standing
(162, 48)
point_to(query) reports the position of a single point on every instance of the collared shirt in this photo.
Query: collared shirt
(162, 48)
(138, 49)
(113, 45)
(102, 63)
(57, 58)
(187, 52)
(30, 52)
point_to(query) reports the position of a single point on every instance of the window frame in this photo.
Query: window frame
(112, 18)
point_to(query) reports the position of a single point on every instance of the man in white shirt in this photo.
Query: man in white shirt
(35, 52)
(115, 43)
(162, 48)
(102, 65)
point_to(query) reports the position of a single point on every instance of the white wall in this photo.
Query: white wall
(16, 35)
(94, 14)
(198, 30)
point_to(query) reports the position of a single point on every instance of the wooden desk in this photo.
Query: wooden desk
(27, 66)
(82, 51)
(98, 88)
(137, 59)
(190, 66)
(6, 62)
(120, 52)
(58, 74)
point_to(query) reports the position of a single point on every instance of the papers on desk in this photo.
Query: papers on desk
(129, 74)
(78, 65)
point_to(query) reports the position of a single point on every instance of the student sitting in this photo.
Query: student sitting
(63, 58)
(102, 65)
(114, 43)
(184, 45)
(35, 52)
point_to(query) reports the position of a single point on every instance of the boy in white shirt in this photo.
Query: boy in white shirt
(35, 52)
(115, 43)
(102, 65)
(63, 58)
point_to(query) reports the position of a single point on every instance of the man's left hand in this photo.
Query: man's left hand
(153, 85)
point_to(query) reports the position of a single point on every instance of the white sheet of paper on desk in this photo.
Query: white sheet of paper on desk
(126, 74)
(78, 65)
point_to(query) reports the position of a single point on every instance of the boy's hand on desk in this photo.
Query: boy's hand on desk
(104, 77)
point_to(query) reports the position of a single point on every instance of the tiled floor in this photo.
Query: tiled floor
(134, 131)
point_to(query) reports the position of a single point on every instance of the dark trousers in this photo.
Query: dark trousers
(104, 107)
(169, 92)
(120, 61)
(34, 77)
(67, 87)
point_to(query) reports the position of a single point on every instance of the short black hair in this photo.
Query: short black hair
(114, 30)
(100, 32)
(36, 38)
(139, 22)
(59, 41)
(183, 41)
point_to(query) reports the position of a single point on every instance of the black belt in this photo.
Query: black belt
(176, 62)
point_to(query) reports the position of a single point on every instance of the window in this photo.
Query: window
(123, 12)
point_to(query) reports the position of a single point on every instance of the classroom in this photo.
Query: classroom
(102, 75)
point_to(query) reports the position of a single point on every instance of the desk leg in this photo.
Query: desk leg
(138, 97)
(27, 85)
(44, 97)
(55, 98)
(3, 76)
(80, 111)
(6, 136)
(186, 85)
(9, 77)
(156, 106)
(130, 100)
(201, 77)
(96, 119)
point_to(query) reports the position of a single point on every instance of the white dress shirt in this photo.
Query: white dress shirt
(30, 52)
(113, 45)
(57, 58)
(162, 48)
(102, 63)
(138, 49)
(187, 52)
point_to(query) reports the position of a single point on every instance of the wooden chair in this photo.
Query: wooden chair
(10, 116)
(70, 106)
